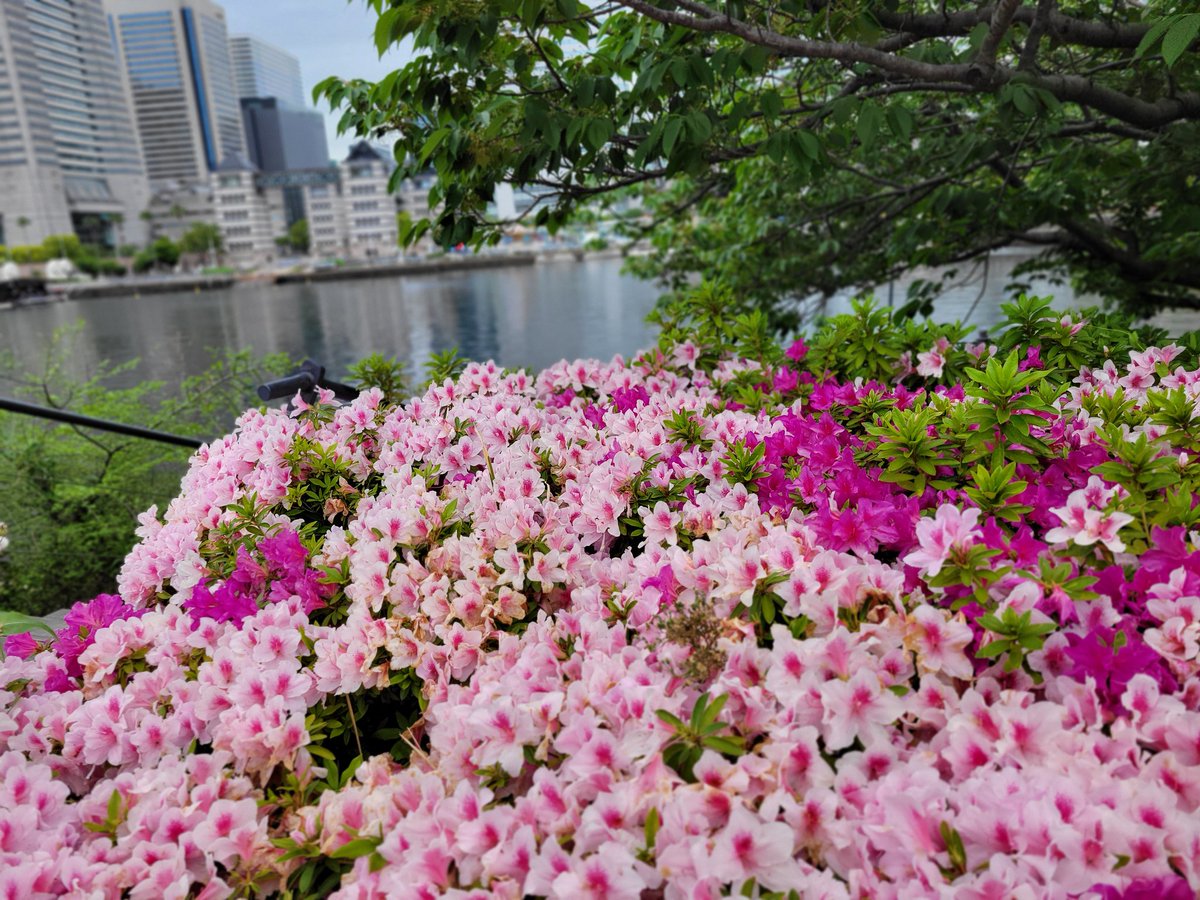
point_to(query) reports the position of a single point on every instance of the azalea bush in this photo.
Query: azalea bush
(733, 618)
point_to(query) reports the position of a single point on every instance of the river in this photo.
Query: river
(528, 316)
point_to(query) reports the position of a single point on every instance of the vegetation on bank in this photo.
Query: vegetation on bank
(71, 496)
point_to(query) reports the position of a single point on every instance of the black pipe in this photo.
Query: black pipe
(62, 415)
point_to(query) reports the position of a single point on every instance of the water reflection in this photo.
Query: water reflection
(529, 316)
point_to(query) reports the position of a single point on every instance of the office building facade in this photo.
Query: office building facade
(175, 56)
(263, 70)
(281, 137)
(69, 161)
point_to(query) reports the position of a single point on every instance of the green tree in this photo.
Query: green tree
(118, 224)
(147, 216)
(298, 237)
(799, 147)
(203, 237)
(163, 253)
(65, 246)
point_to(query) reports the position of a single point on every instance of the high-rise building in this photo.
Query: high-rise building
(263, 70)
(175, 54)
(281, 137)
(69, 160)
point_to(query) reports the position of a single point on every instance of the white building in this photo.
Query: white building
(69, 161)
(175, 56)
(349, 211)
(369, 208)
(248, 219)
(326, 219)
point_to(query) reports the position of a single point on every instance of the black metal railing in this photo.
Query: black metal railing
(306, 380)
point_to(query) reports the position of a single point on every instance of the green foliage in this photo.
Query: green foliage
(1009, 411)
(796, 150)
(162, 253)
(1016, 635)
(61, 246)
(203, 237)
(94, 265)
(447, 365)
(71, 496)
(298, 237)
(385, 373)
(29, 254)
(992, 490)
(702, 731)
(743, 464)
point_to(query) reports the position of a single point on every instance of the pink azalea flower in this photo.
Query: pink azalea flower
(950, 529)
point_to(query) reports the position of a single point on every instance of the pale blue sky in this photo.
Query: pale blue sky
(331, 37)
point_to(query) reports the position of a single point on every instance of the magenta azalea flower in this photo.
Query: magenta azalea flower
(22, 645)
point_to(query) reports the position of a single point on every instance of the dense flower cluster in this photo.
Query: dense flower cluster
(609, 633)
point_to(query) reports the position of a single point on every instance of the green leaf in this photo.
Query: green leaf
(362, 846)
(671, 719)
(724, 745)
(1179, 37)
(994, 649)
(772, 104)
(1151, 37)
(18, 623)
(650, 829)
(671, 134)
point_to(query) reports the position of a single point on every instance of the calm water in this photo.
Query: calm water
(522, 316)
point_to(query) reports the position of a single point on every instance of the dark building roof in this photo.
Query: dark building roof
(364, 151)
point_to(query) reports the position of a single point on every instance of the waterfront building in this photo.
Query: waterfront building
(370, 209)
(175, 56)
(280, 137)
(349, 210)
(69, 159)
(245, 214)
(264, 70)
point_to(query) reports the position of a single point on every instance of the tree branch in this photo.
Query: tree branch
(1066, 87)
(1002, 18)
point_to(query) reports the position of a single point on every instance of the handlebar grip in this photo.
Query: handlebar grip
(286, 386)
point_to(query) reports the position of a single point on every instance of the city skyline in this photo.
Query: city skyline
(329, 37)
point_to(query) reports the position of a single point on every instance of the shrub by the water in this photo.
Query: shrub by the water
(71, 495)
(727, 619)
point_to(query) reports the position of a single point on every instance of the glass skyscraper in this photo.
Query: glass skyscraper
(176, 58)
(69, 159)
(263, 70)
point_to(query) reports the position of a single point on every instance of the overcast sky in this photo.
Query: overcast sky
(331, 37)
